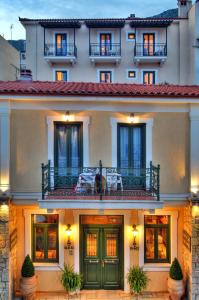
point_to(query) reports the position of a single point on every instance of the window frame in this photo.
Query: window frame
(106, 71)
(45, 226)
(131, 70)
(127, 36)
(156, 227)
(62, 71)
(149, 71)
(143, 137)
(148, 44)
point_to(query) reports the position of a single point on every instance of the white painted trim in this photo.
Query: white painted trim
(130, 40)
(149, 70)
(60, 69)
(173, 240)
(86, 122)
(133, 70)
(127, 224)
(105, 70)
(149, 126)
(28, 239)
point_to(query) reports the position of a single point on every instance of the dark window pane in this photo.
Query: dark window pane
(52, 243)
(46, 218)
(39, 243)
(149, 243)
(162, 243)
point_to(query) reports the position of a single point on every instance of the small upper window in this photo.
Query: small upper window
(131, 74)
(105, 76)
(130, 36)
(61, 76)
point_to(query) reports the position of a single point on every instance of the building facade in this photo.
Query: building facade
(131, 50)
(9, 61)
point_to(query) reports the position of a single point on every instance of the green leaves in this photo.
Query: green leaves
(28, 269)
(137, 279)
(70, 280)
(176, 270)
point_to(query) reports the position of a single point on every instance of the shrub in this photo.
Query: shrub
(176, 270)
(137, 279)
(70, 280)
(27, 269)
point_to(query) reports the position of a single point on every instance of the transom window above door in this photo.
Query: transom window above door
(61, 75)
(61, 44)
(149, 77)
(105, 76)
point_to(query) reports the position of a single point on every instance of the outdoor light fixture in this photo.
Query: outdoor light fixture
(194, 192)
(4, 213)
(68, 233)
(67, 116)
(132, 117)
(135, 235)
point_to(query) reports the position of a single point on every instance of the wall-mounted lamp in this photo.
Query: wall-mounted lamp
(194, 192)
(68, 234)
(4, 212)
(135, 236)
(132, 118)
(67, 116)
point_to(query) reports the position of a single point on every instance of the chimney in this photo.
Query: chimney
(132, 16)
(26, 75)
(183, 8)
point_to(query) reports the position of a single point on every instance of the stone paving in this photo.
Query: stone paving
(101, 295)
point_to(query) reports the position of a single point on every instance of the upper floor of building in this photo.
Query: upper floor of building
(133, 50)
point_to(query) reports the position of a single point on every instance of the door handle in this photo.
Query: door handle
(110, 261)
(102, 263)
(93, 261)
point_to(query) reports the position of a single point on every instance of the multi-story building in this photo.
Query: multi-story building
(131, 50)
(20, 45)
(9, 61)
(102, 176)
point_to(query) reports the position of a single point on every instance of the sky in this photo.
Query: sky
(10, 10)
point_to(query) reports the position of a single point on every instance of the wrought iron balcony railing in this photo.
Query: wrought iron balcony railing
(147, 50)
(53, 50)
(101, 183)
(101, 50)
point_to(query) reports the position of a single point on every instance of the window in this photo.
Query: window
(149, 77)
(157, 239)
(131, 74)
(130, 36)
(61, 76)
(105, 76)
(148, 44)
(45, 242)
(105, 43)
(131, 146)
(61, 44)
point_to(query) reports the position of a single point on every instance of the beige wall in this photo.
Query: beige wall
(28, 151)
(172, 71)
(9, 61)
(158, 280)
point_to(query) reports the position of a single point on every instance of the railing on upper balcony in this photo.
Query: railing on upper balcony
(148, 50)
(101, 182)
(54, 50)
(101, 50)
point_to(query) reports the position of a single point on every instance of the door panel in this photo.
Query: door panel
(61, 44)
(105, 43)
(102, 257)
(148, 44)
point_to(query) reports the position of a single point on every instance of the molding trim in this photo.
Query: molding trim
(86, 122)
(155, 267)
(149, 126)
(28, 239)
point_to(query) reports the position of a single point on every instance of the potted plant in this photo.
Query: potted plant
(138, 280)
(28, 284)
(70, 280)
(175, 281)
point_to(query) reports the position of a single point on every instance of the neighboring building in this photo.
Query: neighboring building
(126, 127)
(132, 50)
(20, 45)
(9, 61)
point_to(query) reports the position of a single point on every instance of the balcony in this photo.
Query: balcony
(75, 187)
(64, 54)
(153, 53)
(110, 53)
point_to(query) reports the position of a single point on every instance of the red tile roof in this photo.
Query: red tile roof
(52, 88)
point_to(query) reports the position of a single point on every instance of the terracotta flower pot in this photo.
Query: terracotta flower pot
(28, 287)
(176, 288)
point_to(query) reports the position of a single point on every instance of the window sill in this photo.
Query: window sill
(163, 267)
(47, 266)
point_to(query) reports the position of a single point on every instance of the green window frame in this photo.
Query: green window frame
(130, 128)
(158, 242)
(44, 241)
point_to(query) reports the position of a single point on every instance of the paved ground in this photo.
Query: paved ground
(101, 295)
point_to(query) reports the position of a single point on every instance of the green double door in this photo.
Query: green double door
(102, 257)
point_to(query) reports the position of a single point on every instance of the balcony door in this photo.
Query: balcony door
(68, 154)
(148, 44)
(105, 43)
(132, 155)
(61, 44)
